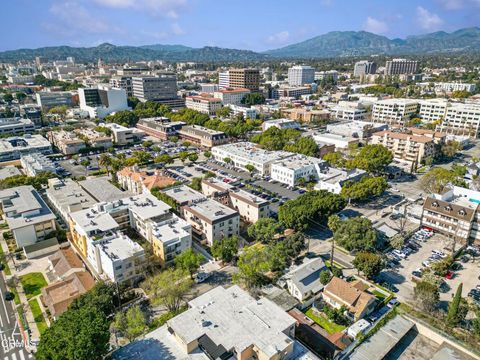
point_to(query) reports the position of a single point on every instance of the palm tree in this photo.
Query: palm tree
(105, 161)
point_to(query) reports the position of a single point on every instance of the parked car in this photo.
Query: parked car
(450, 275)
(393, 302)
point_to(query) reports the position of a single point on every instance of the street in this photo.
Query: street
(12, 345)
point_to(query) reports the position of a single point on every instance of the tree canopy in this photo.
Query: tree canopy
(188, 261)
(356, 234)
(225, 249)
(311, 206)
(373, 158)
(366, 188)
(264, 229)
(370, 264)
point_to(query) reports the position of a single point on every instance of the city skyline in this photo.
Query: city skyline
(199, 23)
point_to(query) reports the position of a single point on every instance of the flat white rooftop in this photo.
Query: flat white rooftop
(183, 194)
(250, 152)
(211, 209)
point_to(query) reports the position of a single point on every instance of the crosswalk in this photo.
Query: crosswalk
(19, 355)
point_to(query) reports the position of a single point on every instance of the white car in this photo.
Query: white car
(399, 254)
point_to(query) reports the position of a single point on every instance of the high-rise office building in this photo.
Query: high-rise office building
(401, 66)
(160, 87)
(300, 75)
(224, 80)
(244, 79)
(364, 67)
(122, 82)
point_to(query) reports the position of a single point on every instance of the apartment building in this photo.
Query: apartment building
(364, 67)
(68, 143)
(300, 75)
(102, 100)
(13, 148)
(433, 110)
(27, 215)
(406, 147)
(122, 82)
(170, 238)
(160, 127)
(67, 196)
(211, 221)
(454, 213)
(49, 99)
(305, 115)
(245, 153)
(247, 112)
(138, 182)
(95, 139)
(401, 66)
(202, 136)
(122, 135)
(231, 96)
(183, 195)
(224, 324)
(292, 169)
(244, 79)
(117, 258)
(16, 126)
(249, 206)
(394, 111)
(203, 104)
(161, 87)
(36, 163)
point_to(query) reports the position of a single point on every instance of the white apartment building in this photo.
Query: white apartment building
(224, 80)
(433, 109)
(210, 220)
(205, 105)
(231, 96)
(249, 206)
(290, 170)
(27, 215)
(117, 258)
(36, 163)
(122, 135)
(394, 111)
(13, 148)
(245, 153)
(16, 126)
(300, 75)
(102, 100)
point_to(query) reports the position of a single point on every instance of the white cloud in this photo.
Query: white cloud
(428, 20)
(177, 29)
(163, 8)
(279, 38)
(375, 26)
(75, 18)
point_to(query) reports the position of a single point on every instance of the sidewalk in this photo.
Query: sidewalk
(34, 333)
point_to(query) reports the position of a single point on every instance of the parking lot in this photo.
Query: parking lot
(401, 275)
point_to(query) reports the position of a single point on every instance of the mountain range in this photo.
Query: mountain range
(332, 44)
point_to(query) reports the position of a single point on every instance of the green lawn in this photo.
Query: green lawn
(324, 322)
(6, 269)
(37, 315)
(14, 291)
(32, 284)
(379, 295)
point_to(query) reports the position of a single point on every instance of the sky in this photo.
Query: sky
(242, 24)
